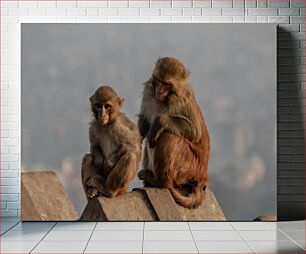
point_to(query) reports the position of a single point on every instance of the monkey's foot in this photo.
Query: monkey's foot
(148, 178)
(92, 192)
(142, 174)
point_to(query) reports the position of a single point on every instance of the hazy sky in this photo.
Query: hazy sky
(233, 73)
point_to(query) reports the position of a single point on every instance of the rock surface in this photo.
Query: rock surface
(43, 198)
(127, 207)
(150, 204)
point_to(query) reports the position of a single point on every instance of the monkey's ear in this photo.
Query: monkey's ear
(186, 73)
(121, 100)
(91, 98)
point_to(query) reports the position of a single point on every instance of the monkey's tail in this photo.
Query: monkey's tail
(192, 200)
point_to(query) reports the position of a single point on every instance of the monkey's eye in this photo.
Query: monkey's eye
(107, 106)
(98, 106)
(169, 83)
(165, 83)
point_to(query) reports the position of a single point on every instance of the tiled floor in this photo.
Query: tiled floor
(152, 237)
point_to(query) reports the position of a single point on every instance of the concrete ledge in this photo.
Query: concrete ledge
(43, 198)
(150, 204)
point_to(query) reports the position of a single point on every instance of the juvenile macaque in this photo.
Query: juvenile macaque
(115, 147)
(177, 143)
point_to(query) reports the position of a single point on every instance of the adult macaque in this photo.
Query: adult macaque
(115, 147)
(177, 143)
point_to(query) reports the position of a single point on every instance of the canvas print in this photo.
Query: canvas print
(148, 122)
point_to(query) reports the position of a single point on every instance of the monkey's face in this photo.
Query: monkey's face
(103, 112)
(105, 105)
(162, 88)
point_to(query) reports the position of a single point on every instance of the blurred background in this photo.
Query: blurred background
(233, 73)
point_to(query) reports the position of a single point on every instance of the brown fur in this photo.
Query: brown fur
(177, 143)
(115, 146)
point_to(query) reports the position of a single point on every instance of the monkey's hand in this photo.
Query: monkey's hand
(92, 192)
(154, 133)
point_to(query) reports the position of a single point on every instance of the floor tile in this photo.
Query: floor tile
(223, 247)
(211, 226)
(272, 235)
(70, 226)
(297, 235)
(33, 226)
(166, 226)
(273, 224)
(167, 236)
(107, 236)
(216, 236)
(114, 247)
(22, 236)
(169, 247)
(69, 236)
(276, 247)
(119, 226)
(17, 247)
(301, 243)
(7, 225)
(60, 247)
(291, 225)
(252, 225)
